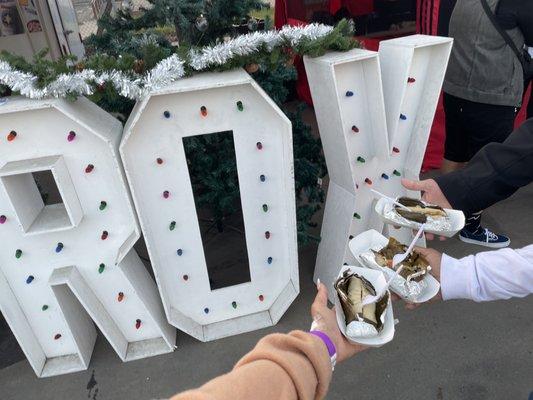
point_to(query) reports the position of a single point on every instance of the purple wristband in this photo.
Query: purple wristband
(327, 341)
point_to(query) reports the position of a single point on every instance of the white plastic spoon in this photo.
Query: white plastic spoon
(397, 259)
(390, 199)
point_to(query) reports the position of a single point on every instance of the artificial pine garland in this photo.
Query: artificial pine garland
(44, 78)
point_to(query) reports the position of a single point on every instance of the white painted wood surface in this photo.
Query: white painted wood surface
(383, 93)
(149, 135)
(68, 281)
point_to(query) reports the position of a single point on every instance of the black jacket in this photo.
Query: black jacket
(494, 173)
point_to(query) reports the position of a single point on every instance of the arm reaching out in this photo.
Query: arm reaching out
(494, 173)
(295, 366)
(486, 276)
(289, 367)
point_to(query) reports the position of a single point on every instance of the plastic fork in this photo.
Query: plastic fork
(390, 199)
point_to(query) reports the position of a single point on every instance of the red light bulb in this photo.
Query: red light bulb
(120, 296)
(368, 181)
(11, 136)
(89, 168)
(203, 111)
(137, 324)
(71, 136)
(395, 149)
(57, 336)
(104, 236)
(166, 194)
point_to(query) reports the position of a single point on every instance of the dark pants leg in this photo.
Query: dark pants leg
(469, 127)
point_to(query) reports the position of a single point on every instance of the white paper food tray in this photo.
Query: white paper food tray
(456, 218)
(378, 280)
(373, 240)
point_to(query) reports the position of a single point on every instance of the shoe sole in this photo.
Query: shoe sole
(485, 244)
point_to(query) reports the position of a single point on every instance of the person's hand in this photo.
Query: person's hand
(431, 193)
(434, 259)
(430, 189)
(325, 320)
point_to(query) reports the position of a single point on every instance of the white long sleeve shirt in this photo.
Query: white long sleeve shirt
(490, 275)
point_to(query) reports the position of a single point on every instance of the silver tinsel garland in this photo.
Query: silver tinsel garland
(165, 72)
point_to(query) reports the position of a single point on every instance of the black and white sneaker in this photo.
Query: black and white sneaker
(484, 237)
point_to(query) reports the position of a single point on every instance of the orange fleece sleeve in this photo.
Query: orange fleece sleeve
(295, 366)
